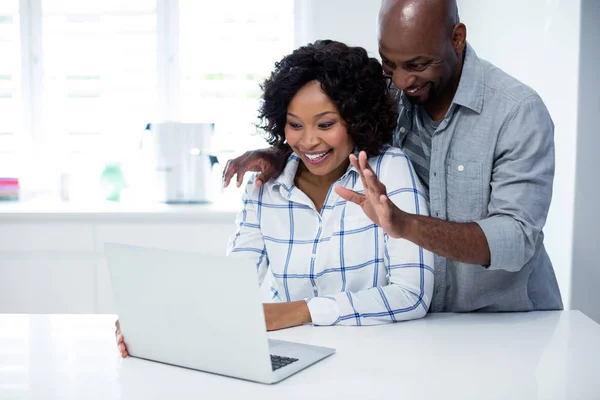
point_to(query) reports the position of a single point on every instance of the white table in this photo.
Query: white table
(549, 355)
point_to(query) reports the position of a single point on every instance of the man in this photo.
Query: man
(482, 143)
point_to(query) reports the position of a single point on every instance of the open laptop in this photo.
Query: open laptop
(200, 312)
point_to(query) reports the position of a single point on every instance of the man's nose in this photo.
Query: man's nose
(402, 79)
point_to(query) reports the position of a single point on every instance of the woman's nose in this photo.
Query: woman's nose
(311, 138)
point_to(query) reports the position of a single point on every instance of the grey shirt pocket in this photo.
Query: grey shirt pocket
(464, 190)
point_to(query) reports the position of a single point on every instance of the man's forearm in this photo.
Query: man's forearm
(463, 242)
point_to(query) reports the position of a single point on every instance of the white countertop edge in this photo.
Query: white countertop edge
(108, 212)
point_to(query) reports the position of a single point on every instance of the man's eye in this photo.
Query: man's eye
(418, 67)
(388, 63)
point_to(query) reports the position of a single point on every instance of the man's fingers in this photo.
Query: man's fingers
(120, 339)
(355, 164)
(363, 161)
(386, 210)
(375, 186)
(260, 179)
(231, 168)
(349, 195)
(240, 178)
(227, 173)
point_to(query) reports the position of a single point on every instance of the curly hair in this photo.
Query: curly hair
(353, 81)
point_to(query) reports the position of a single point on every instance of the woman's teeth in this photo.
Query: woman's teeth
(314, 157)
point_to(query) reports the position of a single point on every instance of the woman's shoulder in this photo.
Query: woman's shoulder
(390, 156)
(268, 191)
(394, 169)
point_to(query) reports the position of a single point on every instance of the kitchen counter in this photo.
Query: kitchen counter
(38, 211)
(52, 253)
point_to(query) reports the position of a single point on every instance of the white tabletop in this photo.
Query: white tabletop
(546, 355)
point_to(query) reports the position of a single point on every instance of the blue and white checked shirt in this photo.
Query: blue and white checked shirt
(347, 269)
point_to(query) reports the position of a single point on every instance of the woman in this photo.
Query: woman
(322, 258)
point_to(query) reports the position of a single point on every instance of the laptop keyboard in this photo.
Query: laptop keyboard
(279, 362)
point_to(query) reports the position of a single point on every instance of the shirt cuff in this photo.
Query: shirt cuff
(323, 310)
(506, 243)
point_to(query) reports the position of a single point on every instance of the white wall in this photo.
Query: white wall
(586, 265)
(537, 41)
(353, 22)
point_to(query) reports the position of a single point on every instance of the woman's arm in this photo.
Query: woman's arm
(409, 267)
(247, 243)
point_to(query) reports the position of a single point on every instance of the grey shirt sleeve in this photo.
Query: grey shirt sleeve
(521, 185)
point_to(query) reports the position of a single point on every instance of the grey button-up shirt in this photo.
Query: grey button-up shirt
(492, 162)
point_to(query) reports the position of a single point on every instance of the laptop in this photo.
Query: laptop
(200, 312)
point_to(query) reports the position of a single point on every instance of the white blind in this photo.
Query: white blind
(100, 80)
(226, 50)
(10, 93)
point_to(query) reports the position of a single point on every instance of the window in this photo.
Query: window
(100, 80)
(246, 39)
(96, 72)
(11, 118)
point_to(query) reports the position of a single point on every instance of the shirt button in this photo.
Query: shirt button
(435, 174)
(461, 168)
(313, 256)
(402, 129)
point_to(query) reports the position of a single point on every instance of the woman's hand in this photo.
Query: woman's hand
(374, 202)
(120, 340)
(286, 315)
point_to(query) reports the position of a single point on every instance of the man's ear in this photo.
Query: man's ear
(459, 37)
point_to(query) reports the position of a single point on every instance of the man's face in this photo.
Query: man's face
(420, 62)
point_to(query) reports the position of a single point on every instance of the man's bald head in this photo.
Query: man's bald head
(421, 42)
(418, 17)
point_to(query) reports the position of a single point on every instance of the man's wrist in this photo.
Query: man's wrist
(406, 225)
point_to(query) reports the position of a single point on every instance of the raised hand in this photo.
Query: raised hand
(374, 202)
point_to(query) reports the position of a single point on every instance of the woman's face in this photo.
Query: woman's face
(316, 132)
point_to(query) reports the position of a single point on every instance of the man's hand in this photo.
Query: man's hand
(286, 315)
(464, 242)
(269, 162)
(374, 202)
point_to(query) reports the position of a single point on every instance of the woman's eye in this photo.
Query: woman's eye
(294, 125)
(326, 125)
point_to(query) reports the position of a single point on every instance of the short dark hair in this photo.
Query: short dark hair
(354, 81)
